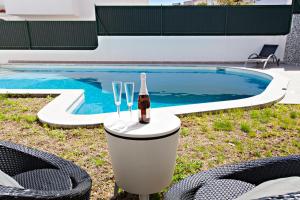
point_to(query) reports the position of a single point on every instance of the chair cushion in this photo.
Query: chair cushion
(273, 188)
(45, 180)
(223, 189)
(6, 180)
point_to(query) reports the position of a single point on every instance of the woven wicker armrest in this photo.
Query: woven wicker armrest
(253, 172)
(292, 196)
(16, 159)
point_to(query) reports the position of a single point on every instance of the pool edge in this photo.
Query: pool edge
(58, 112)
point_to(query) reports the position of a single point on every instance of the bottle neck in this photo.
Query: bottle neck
(143, 89)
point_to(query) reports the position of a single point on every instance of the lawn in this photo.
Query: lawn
(207, 140)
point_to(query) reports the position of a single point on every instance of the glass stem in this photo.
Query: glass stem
(130, 110)
(118, 109)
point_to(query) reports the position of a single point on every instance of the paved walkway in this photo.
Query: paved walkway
(293, 90)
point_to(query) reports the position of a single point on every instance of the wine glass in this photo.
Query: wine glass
(129, 90)
(117, 89)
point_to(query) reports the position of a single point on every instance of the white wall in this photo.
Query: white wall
(273, 2)
(122, 2)
(158, 48)
(57, 10)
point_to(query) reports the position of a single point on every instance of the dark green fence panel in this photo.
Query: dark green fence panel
(63, 35)
(14, 35)
(129, 20)
(192, 20)
(147, 20)
(296, 6)
(259, 20)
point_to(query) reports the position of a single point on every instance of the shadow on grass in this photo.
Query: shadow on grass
(128, 196)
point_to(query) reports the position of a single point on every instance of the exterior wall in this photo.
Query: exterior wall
(292, 54)
(272, 2)
(158, 48)
(84, 11)
(194, 2)
(257, 2)
(121, 2)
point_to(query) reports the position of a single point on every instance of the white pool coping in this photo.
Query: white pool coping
(58, 112)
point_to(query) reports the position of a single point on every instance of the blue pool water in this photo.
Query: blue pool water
(167, 86)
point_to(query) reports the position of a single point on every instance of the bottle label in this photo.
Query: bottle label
(148, 113)
(145, 116)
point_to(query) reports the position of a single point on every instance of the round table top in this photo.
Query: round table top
(161, 125)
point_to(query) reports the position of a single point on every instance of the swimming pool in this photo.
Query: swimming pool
(168, 86)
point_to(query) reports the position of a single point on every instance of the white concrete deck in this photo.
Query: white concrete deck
(59, 111)
(291, 72)
(293, 92)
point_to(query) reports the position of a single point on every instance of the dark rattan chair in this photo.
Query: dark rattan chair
(43, 175)
(231, 181)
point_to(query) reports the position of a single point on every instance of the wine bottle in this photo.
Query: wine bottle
(144, 102)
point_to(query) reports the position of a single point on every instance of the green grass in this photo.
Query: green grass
(57, 134)
(207, 140)
(296, 143)
(245, 127)
(223, 125)
(186, 166)
(293, 115)
(98, 162)
(184, 131)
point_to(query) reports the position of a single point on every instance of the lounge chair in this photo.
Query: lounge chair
(43, 176)
(267, 53)
(231, 181)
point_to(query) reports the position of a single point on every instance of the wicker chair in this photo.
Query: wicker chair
(231, 181)
(43, 175)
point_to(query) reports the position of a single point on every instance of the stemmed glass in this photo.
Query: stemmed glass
(117, 89)
(129, 90)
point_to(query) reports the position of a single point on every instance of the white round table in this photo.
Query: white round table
(143, 155)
